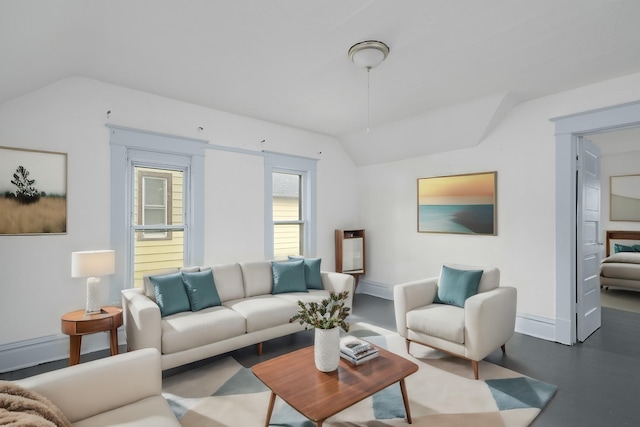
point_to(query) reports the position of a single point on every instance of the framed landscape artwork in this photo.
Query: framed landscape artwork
(33, 192)
(459, 204)
(625, 198)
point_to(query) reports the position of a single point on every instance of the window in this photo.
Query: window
(158, 224)
(154, 200)
(157, 212)
(288, 223)
(289, 206)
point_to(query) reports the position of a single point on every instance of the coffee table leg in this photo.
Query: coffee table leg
(272, 400)
(405, 398)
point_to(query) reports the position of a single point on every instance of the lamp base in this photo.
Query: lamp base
(93, 296)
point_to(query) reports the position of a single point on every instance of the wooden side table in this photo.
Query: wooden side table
(78, 323)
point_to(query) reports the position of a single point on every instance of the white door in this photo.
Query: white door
(587, 239)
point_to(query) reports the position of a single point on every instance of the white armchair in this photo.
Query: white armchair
(486, 322)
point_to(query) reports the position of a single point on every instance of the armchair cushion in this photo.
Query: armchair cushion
(438, 320)
(455, 286)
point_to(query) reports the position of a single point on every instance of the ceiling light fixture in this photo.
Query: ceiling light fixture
(368, 54)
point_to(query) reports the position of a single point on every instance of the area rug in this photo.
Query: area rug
(442, 393)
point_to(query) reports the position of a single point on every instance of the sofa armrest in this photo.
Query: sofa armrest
(490, 319)
(339, 282)
(141, 320)
(411, 295)
(91, 388)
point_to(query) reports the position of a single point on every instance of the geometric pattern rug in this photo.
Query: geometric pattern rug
(441, 393)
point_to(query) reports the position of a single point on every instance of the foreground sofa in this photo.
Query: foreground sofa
(121, 390)
(249, 312)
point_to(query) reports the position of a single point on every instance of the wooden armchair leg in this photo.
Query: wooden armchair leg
(408, 344)
(474, 363)
(260, 349)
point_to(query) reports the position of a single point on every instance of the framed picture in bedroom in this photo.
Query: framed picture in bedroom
(458, 204)
(625, 198)
(33, 192)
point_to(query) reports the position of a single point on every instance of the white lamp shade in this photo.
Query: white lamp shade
(93, 263)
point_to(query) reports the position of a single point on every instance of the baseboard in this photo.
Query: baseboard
(536, 326)
(36, 351)
(375, 289)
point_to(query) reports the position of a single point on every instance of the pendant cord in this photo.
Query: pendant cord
(368, 99)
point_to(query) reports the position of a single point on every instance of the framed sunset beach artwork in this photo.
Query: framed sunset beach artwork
(460, 204)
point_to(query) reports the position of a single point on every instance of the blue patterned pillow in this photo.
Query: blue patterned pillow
(170, 294)
(288, 276)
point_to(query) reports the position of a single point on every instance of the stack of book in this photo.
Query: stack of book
(356, 350)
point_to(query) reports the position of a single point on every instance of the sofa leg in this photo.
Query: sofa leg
(503, 347)
(408, 344)
(474, 363)
(260, 349)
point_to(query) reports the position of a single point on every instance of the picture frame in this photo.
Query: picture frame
(624, 198)
(33, 192)
(458, 204)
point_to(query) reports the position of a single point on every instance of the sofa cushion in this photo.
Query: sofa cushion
(171, 295)
(312, 276)
(264, 311)
(438, 320)
(257, 277)
(186, 330)
(288, 276)
(150, 412)
(228, 280)
(201, 289)
(312, 295)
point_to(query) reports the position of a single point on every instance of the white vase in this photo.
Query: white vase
(326, 349)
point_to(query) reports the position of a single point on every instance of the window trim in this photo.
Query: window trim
(163, 151)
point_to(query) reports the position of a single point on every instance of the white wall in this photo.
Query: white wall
(70, 116)
(522, 150)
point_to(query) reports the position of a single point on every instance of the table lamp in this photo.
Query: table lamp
(91, 264)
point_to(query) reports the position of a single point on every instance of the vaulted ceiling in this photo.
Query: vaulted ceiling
(285, 61)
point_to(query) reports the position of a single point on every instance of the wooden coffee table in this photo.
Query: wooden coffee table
(319, 395)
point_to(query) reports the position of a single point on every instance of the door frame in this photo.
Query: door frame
(567, 130)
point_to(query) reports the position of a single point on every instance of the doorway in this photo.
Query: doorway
(568, 129)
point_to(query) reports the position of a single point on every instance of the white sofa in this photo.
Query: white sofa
(122, 390)
(249, 314)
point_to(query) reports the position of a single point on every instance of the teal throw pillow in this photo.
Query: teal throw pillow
(312, 276)
(622, 248)
(170, 294)
(456, 286)
(288, 276)
(201, 289)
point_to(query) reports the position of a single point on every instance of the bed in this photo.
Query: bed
(621, 266)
